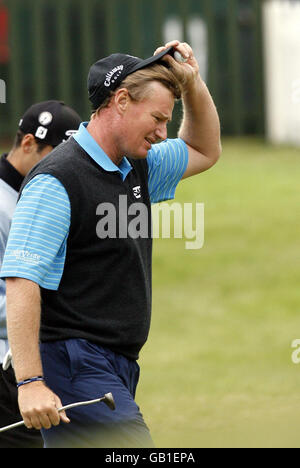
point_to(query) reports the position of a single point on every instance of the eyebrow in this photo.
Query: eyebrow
(162, 116)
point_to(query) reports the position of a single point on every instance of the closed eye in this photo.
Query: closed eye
(161, 119)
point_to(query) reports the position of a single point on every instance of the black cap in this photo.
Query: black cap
(50, 122)
(108, 73)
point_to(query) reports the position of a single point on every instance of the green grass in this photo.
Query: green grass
(217, 370)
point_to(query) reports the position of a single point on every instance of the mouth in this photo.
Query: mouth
(149, 142)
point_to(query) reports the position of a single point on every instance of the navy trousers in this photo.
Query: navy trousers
(77, 370)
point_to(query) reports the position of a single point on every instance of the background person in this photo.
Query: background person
(43, 126)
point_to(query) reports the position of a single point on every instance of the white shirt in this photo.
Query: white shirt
(8, 200)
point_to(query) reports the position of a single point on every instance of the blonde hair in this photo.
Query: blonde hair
(137, 84)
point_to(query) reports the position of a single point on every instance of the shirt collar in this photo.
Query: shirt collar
(9, 174)
(87, 142)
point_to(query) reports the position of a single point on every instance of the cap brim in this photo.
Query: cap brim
(153, 59)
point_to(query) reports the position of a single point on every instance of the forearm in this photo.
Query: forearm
(200, 127)
(23, 324)
(38, 404)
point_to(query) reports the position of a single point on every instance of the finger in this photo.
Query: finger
(51, 413)
(30, 419)
(35, 423)
(27, 421)
(174, 64)
(170, 60)
(185, 50)
(64, 418)
(159, 50)
(62, 414)
(169, 44)
(173, 43)
(45, 421)
(188, 48)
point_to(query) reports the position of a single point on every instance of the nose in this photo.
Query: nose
(161, 131)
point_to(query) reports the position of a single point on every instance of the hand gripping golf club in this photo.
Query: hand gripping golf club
(108, 399)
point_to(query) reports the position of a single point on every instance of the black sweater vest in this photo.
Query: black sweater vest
(105, 292)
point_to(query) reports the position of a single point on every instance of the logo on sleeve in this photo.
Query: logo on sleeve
(26, 257)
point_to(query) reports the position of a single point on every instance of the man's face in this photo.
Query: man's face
(146, 121)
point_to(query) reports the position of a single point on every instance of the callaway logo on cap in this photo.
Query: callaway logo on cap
(50, 121)
(108, 73)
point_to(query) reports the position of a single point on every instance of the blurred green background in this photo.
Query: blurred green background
(50, 45)
(217, 369)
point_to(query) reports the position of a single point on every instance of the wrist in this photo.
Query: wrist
(194, 85)
(37, 378)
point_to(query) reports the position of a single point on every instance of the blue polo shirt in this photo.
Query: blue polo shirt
(36, 247)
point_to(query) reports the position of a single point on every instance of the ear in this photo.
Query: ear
(28, 143)
(122, 100)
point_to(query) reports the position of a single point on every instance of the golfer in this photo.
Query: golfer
(43, 126)
(78, 261)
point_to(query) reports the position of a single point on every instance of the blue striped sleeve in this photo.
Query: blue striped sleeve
(36, 245)
(167, 162)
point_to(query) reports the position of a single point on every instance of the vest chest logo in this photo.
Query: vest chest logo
(137, 191)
